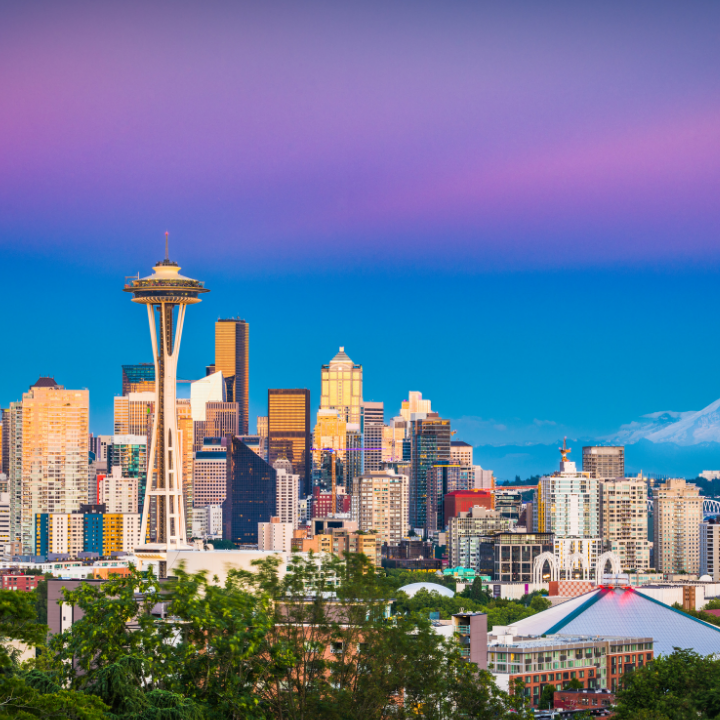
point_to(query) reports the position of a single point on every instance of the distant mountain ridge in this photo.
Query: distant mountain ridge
(682, 428)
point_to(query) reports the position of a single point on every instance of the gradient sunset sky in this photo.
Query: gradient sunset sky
(511, 207)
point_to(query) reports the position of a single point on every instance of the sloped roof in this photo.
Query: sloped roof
(342, 356)
(627, 613)
(45, 382)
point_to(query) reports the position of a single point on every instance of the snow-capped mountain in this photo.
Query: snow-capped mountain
(682, 428)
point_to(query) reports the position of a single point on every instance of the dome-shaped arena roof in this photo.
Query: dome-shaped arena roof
(705, 578)
(412, 588)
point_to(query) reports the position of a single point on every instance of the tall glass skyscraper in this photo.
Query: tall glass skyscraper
(289, 432)
(232, 359)
(250, 494)
(138, 378)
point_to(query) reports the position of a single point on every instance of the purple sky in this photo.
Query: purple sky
(520, 135)
(497, 204)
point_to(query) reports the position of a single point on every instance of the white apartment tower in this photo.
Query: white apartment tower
(678, 514)
(624, 521)
(382, 505)
(118, 494)
(287, 489)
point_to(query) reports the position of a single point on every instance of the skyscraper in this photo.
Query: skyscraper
(430, 442)
(341, 387)
(210, 478)
(232, 359)
(164, 292)
(132, 413)
(677, 516)
(383, 505)
(287, 493)
(251, 493)
(138, 378)
(604, 461)
(50, 472)
(624, 521)
(372, 427)
(288, 432)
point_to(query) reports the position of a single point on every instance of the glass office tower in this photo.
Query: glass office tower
(232, 359)
(289, 432)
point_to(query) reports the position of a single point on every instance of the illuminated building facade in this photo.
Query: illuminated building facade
(341, 387)
(138, 378)
(430, 443)
(232, 359)
(50, 472)
(288, 432)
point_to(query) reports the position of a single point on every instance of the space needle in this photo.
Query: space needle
(164, 292)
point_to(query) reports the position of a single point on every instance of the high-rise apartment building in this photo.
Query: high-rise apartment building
(251, 493)
(353, 455)
(210, 479)
(443, 478)
(710, 548)
(287, 493)
(383, 505)
(567, 502)
(138, 378)
(132, 413)
(677, 515)
(275, 535)
(117, 493)
(624, 521)
(372, 427)
(341, 387)
(604, 461)
(430, 443)
(49, 469)
(288, 432)
(232, 359)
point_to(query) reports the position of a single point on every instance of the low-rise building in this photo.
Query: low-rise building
(18, 581)
(275, 535)
(514, 554)
(556, 659)
(583, 699)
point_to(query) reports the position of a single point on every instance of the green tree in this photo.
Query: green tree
(547, 697)
(476, 593)
(681, 686)
(574, 684)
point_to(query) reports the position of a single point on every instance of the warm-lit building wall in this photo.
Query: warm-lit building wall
(232, 359)
(383, 505)
(186, 439)
(341, 387)
(330, 433)
(132, 413)
(288, 431)
(54, 475)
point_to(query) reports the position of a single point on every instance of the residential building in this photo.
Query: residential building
(372, 427)
(624, 521)
(288, 431)
(16, 581)
(353, 456)
(577, 556)
(466, 532)
(445, 477)
(49, 460)
(596, 661)
(430, 443)
(461, 453)
(207, 522)
(232, 359)
(341, 387)
(566, 502)
(129, 454)
(383, 499)
(138, 378)
(601, 461)
(250, 496)
(463, 500)
(710, 548)
(471, 632)
(583, 700)
(275, 535)
(210, 477)
(677, 516)
(287, 493)
(121, 532)
(322, 502)
(119, 494)
(5, 519)
(514, 554)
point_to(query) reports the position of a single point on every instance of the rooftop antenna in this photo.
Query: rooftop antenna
(167, 257)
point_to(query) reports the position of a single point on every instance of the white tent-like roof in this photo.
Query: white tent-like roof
(624, 612)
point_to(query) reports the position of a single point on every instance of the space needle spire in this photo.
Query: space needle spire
(164, 292)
